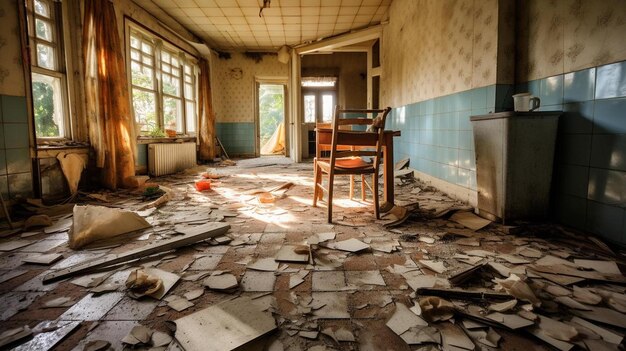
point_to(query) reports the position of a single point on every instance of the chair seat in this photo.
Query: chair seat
(352, 163)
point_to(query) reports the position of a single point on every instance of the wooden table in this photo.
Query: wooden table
(324, 136)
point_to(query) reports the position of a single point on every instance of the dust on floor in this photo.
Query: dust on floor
(356, 284)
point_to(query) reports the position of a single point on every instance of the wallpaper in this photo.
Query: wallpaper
(435, 48)
(233, 84)
(11, 73)
(559, 36)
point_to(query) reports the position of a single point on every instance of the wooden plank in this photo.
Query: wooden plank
(210, 230)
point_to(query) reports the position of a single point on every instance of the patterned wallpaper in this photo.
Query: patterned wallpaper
(234, 83)
(11, 73)
(435, 48)
(559, 36)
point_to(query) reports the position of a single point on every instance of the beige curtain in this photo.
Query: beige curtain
(111, 132)
(206, 130)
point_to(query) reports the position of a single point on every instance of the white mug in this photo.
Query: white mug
(525, 102)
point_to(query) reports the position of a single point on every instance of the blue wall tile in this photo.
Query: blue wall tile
(574, 149)
(14, 109)
(607, 186)
(577, 118)
(16, 135)
(579, 86)
(3, 162)
(571, 210)
(142, 155)
(609, 116)
(551, 90)
(605, 220)
(18, 160)
(611, 80)
(609, 151)
(4, 186)
(20, 184)
(573, 180)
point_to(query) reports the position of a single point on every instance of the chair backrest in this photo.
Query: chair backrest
(372, 137)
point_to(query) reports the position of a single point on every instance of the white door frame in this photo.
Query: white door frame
(330, 44)
(284, 81)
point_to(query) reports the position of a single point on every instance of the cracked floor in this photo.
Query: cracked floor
(344, 291)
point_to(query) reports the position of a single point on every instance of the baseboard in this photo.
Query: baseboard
(455, 191)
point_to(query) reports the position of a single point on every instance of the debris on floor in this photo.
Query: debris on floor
(251, 265)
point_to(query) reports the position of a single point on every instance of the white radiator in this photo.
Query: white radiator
(168, 158)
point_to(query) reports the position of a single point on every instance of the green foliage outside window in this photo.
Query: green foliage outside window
(43, 95)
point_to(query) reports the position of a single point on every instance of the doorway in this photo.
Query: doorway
(271, 119)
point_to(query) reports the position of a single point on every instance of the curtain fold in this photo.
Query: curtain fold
(109, 117)
(206, 130)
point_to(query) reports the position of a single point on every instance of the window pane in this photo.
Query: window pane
(45, 56)
(48, 106)
(190, 111)
(145, 47)
(327, 107)
(175, 71)
(141, 76)
(309, 108)
(171, 85)
(41, 8)
(134, 42)
(144, 105)
(173, 114)
(43, 29)
(147, 60)
(134, 54)
(188, 69)
(189, 92)
(165, 56)
(175, 61)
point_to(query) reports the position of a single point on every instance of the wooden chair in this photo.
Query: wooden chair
(346, 158)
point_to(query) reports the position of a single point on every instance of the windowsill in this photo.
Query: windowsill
(55, 144)
(154, 140)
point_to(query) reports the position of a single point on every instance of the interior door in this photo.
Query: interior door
(318, 107)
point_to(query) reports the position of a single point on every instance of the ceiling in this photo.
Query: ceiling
(236, 25)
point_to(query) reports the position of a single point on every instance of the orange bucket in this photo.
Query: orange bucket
(203, 184)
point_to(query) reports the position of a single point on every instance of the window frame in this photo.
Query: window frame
(61, 59)
(161, 45)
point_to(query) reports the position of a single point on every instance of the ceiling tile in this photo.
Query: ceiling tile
(331, 10)
(231, 11)
(235, 24)
(290, 11)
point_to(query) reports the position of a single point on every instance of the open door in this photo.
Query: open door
(271, 129)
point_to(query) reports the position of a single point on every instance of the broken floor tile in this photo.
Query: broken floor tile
(365, 277)
(258, 281)
(335, 305)
(92, 308)
(14, 302)
(328, 281)
(129, 309)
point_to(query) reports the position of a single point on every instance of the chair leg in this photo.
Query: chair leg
(351, 186)
(362, 187)
(375, 188)
(315, 185)
(320, 180)
(331, 178)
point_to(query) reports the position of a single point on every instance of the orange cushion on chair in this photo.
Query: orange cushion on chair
(346, 163)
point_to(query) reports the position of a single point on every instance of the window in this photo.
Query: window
(48, 69)
(163, 86)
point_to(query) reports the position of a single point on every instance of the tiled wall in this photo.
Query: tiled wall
(238, 138)
(15, 162)
(437, 133)
(590, 172)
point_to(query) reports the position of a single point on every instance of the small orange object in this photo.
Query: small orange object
(203, 184)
